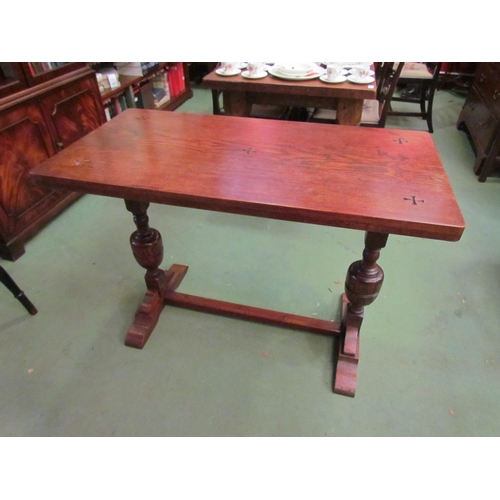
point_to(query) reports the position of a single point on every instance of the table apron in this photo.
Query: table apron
(303, 101)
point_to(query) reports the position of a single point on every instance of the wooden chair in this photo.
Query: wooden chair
(16, 291)
(426, 80)
(374, 110)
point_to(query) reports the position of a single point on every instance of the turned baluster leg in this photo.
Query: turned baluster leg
(147, 247)
(363, 283)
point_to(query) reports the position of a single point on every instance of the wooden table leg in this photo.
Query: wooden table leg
(349, 111)
(236, 104)
(147, 247)
(363, 283)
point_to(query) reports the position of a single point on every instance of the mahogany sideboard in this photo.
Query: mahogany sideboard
(39, 116)
(381, 181)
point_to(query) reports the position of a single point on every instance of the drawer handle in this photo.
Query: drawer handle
(60, 145)
(496, 94)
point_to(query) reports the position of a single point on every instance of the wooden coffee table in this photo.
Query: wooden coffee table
(240, 93)
(381, 181)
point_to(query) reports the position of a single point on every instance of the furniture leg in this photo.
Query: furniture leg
(363, 283)
(236, 104)
(147, 247)
(16, 291)
(349, 111)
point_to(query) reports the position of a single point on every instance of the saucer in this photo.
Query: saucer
(370, 72)
(241, 65)
(222, 72)
(246, 74)
(365, 81)
(339, 79)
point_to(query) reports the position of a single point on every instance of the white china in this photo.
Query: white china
(315, 73)
(364, 81)
(339, 79)
(294, 69)
(241, 65)
(223, 72)
(246, 74)
(255, 68)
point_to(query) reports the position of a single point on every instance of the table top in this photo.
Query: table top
(273, 85)
(382, 180)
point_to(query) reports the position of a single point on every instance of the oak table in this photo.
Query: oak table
(240, 93)
(382, 181)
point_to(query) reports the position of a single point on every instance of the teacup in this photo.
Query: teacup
(361, 71)
(333, 71)
(254, 68)
(228, 67)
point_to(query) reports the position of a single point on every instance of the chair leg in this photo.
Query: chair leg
(429, 109)
(16, 291)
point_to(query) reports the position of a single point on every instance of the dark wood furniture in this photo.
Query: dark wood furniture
(375, 111)
(40, 115)
(382, 181)
(480, 118)
(425, 81)
(240, 93)
(16, 291)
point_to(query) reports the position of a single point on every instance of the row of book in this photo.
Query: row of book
(153, 93)
(40, 67)
(134, 68)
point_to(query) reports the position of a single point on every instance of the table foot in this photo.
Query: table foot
(145, 320)
(151, 307)
(348, 357)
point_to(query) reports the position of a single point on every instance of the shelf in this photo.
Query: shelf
(176, 101)
(122, 97)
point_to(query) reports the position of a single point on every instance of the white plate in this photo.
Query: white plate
(295, 69)
(246, 74)
(222, 72)
(365, 81)
(317, 73)
(242, 65)
(370, 72)
(339, 79)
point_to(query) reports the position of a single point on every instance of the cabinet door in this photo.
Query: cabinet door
(73, 110)
(25, 144)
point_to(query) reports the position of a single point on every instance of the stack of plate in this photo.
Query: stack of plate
(296, 71)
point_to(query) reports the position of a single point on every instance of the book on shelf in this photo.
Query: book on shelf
(134, 68)
(161, 89)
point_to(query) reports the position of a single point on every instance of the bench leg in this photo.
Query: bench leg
(363, 283)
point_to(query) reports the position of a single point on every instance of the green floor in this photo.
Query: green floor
(430, 350)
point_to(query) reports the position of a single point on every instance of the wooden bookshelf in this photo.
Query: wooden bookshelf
(131, 87)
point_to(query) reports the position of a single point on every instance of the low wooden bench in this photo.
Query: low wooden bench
(382, 181)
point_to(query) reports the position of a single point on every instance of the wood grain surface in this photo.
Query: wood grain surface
(380, 180)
